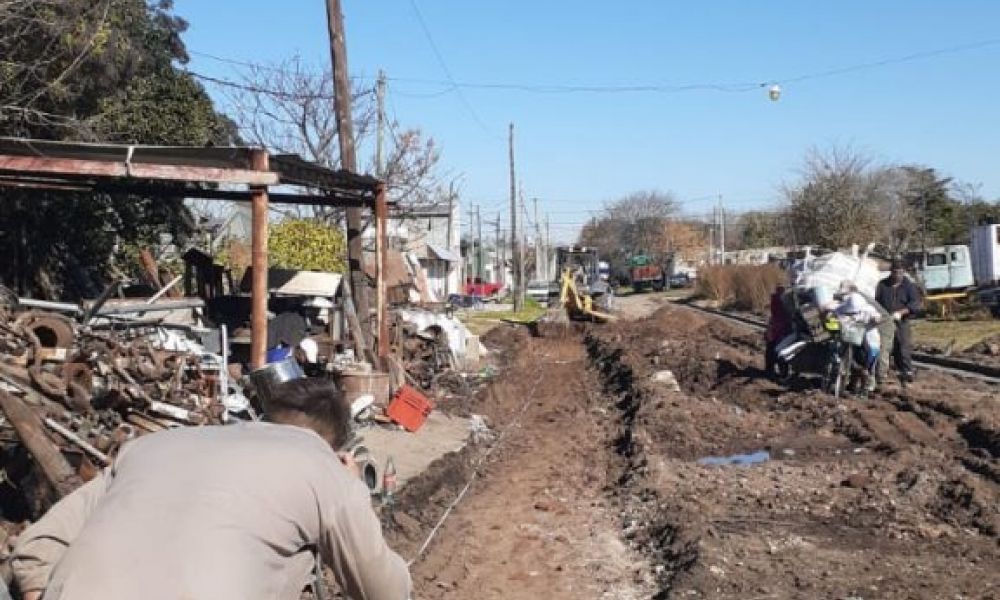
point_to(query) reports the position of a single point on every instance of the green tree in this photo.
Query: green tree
(102, 70)
(760, 229)
(307, 244)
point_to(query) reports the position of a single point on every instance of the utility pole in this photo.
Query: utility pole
(451, 212)
(380, 138)
(711, 235)
(472, 242)
(548, 246)
(479, 237)
(348, 160)
(498, 271)
(518, 284)
(722, 230)
(539, 274)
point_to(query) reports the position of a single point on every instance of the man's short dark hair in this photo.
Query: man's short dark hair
(319, 399)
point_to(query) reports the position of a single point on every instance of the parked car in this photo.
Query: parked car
(680, 280)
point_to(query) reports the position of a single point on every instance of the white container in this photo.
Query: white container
(985, 251)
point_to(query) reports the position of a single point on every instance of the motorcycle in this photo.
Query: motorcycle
(847, 356)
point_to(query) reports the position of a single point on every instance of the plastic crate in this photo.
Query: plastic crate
(409, 408)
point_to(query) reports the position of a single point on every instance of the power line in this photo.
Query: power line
(451, 85)
(893, 61)
(444, 67)
(257, 89)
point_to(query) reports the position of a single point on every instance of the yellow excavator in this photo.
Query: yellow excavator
(584, 294)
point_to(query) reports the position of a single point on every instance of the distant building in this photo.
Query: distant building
(432, 235)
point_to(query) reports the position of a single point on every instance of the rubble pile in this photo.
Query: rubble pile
(78, 391)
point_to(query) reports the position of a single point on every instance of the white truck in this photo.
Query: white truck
(957, 270)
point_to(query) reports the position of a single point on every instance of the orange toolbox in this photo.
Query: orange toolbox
(409, 408)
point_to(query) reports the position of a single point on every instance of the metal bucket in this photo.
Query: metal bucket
(267, 378)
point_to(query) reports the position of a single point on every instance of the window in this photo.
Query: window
(937, 260)
(956, 258)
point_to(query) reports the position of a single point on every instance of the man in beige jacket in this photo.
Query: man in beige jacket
(219, 512)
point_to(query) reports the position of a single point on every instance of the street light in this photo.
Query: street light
(774, 92)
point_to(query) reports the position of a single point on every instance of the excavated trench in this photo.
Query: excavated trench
(606, 478)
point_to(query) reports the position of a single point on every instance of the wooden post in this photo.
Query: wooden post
(382, 255)
(258, 243)
(348, 159)
(46, 453)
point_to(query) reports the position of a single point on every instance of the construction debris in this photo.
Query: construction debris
(73, 391)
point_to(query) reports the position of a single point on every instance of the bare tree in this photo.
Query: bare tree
(289, 108)
(634, 224)
(835, 204)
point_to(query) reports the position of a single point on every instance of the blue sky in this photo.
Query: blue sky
(577, 150)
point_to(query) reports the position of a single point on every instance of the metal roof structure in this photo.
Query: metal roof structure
(174, 171)
(213, 173)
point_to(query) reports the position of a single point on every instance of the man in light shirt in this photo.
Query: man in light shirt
(212, 513)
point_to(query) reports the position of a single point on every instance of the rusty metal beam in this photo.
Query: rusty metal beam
(258, 244)
(77, 187)
(71, 167)
(46, 453)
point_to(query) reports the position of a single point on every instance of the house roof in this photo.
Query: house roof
(444, 253)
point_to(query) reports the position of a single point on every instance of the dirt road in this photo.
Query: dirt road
(594, 483)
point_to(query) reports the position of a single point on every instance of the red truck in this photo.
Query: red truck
(644, 273)
(482, 289)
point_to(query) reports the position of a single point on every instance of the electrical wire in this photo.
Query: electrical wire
(451, 85)
(444, 67)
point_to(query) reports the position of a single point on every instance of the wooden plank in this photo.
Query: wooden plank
(46, 453)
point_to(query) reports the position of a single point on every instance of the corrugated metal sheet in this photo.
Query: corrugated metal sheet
(444, 253)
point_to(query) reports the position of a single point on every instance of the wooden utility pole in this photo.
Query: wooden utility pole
(548, 248)
(498, 267)
(479, 241)
(348, 161)
(380, 137)
(451, 223)
(472, 241)
(515, 255)
(722, 231)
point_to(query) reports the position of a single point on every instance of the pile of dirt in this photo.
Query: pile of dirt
(891, 496)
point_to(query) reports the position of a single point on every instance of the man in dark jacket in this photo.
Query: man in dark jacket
(900, 297)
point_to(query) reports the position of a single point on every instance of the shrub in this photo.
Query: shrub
(740, 287)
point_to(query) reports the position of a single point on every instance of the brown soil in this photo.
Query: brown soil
(590, 486)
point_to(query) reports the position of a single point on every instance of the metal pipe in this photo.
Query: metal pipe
(169, 410)
(164, 289)
(63, 307)
(144, 307)
(109, 291)
(224, 371)
(258, 299)
(83, 444)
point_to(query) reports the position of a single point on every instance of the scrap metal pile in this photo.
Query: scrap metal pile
(72, 393)
(435, 349)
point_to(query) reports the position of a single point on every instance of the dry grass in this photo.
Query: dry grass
(740, 287)
(957, 334)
